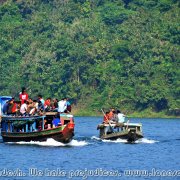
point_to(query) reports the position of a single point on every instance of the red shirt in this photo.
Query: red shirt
(106, 119)
(23, 97)
(47, 102)
(14, 108)
(110, 115)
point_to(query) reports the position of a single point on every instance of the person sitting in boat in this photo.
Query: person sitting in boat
(47, 104)
(54, 104)
(5, 107)
(24, 108)
(68, 106)
(16, 108)
(120, 117)
(10, 106)
(56, 121)
(40, 109)
(40, 98)
(40, 104)
(32, 107)
(23, 95)
(45, 124)
(106, 118)
(111, 114)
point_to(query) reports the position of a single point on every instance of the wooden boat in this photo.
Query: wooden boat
(37, 128)
(129, 131)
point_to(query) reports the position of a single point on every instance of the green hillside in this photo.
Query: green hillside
(100, 53)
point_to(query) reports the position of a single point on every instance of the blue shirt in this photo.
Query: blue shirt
(56, 122)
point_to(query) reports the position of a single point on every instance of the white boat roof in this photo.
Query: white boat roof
(132, 124)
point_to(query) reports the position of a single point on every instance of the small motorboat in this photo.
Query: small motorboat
(112, 131)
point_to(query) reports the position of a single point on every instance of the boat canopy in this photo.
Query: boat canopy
(3, 100)
(133, 124)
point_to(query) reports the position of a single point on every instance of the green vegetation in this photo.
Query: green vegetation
(100, 53)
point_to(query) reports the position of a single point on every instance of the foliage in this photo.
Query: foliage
(100, 53)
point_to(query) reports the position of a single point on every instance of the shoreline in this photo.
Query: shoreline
(144, 114)
(147, 117)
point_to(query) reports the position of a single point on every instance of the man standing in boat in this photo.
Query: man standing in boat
(23, 95)
(107, 122)
(62, 105)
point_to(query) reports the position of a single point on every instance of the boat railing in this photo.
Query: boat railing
(21, 118)
(21, 123)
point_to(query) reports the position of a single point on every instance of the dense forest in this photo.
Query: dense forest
(99, 53)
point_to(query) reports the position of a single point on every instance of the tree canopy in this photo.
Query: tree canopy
(100, 53)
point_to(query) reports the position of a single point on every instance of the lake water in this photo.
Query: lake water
(156, 156)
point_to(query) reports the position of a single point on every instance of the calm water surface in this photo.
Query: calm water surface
(157, 151)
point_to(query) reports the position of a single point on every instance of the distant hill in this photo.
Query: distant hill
(100, 53)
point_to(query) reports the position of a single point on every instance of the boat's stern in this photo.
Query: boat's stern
(67, 121)
(134, 131)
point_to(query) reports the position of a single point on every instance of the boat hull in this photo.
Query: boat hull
(130, 132)
(62, 134)
(129, 136)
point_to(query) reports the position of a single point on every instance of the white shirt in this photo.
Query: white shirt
(23, 108)
(62, 106)
(121, 118)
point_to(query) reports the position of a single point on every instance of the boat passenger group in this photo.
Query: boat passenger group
(113, 119)
(113, 116)
(26, 106)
